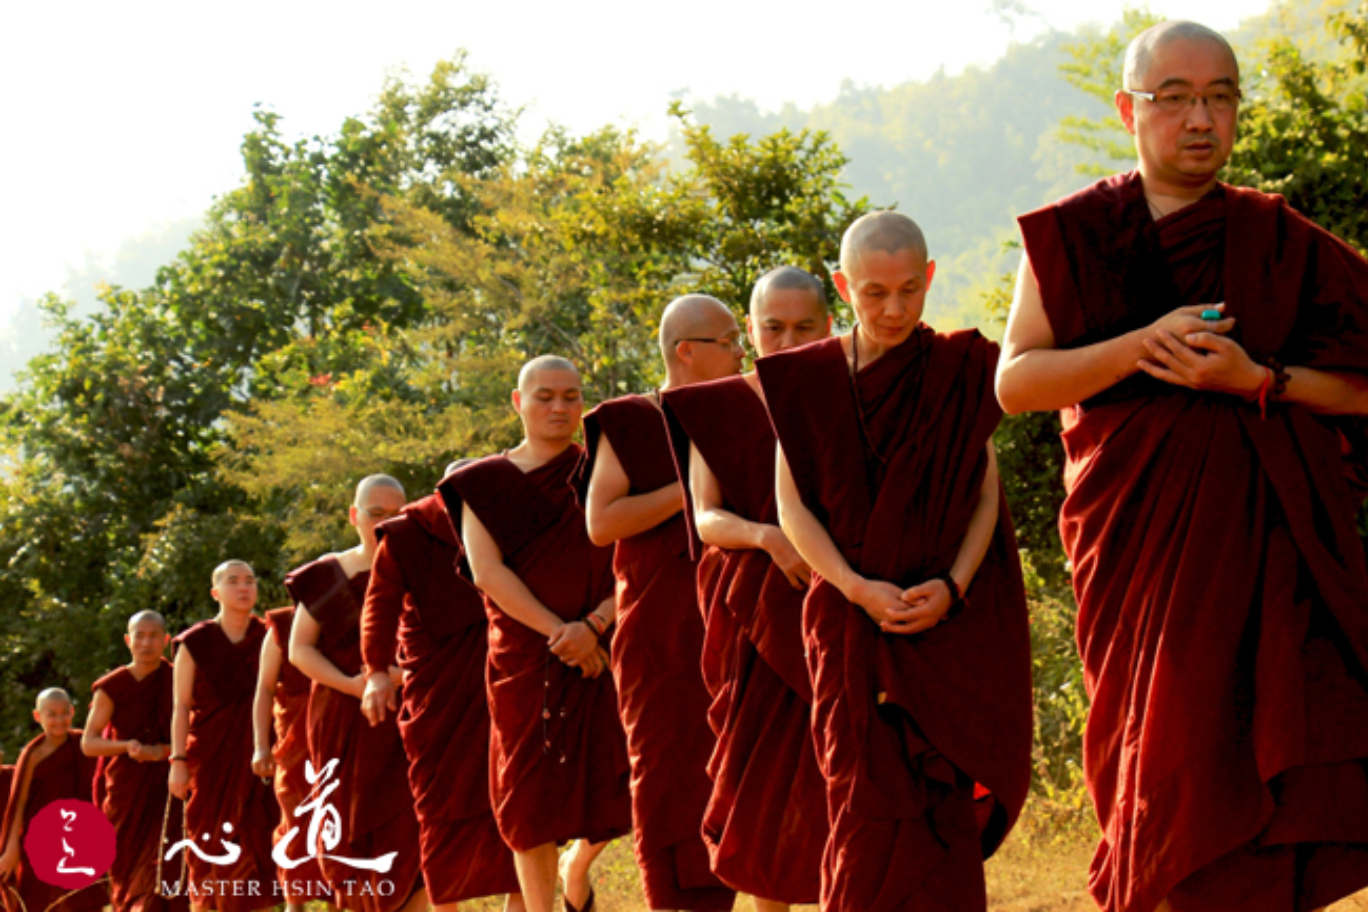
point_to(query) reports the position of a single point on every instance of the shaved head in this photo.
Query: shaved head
(886, 232)
(459, 464)
(51, 695)
(375, 482)
(692, 316)
(527, 376)
(222, 569)
(151, 616)
(1140, 52)
(787, 278)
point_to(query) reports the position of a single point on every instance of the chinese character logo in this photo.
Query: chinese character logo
(70, 844)
(325, 824)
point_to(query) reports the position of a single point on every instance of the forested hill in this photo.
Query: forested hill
(965, 154)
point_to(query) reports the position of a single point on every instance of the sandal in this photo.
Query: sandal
(588, 903)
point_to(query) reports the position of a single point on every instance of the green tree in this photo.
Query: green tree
(1304, 131)
(113, 500)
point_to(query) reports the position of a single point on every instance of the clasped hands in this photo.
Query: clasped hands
(902, 611)
(578, 646)
(1186, 350)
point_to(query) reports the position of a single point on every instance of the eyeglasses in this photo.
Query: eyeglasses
(729, 341)
(1171, 101)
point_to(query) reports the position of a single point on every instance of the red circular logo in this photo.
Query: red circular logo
(70, 844)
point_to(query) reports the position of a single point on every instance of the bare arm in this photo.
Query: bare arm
(305, 656)
(263, 764)
(93, 743)
(183, 687)
(514, 599)
(1034, 376)
(613, 513)
(880, 599)
(725, 529)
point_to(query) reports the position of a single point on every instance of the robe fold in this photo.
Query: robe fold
(65, 773)
(419, 607)
(656, 664)
(372, 796)
(924, 740)
(1223, 599)
(290, 717)
(557, 755)
(223, 789)
(135, 793)
(766, 822)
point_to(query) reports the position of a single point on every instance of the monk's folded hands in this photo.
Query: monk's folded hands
(576, 645)
(1205, 361)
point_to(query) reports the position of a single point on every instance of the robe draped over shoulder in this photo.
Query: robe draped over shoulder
(422, 609)
(766, 822)
(372, 796)
(135, 792)
(290, 715)
(65, 773)
(924, 740)
(1223, 599)
(557, 754)
(223, 789)
(656, 663)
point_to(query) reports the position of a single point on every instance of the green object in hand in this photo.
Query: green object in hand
(1211, 313)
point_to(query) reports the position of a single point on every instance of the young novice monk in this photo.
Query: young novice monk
(372, 795)
(211, 752)
(130, 724)
(50, 767)
(915, 624)
(765, 825)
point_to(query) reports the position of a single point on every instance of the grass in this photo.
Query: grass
(1038, 870)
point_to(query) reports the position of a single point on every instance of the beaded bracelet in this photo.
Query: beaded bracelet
(957, 600)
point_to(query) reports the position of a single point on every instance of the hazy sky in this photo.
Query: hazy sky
(123, 117)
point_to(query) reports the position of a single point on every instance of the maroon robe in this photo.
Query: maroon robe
(924, 740)
(223, 789)
(766, 823)
(1223, 599)
(135, 793)
(65, 773)
(421, 608)
(659, 645)
(290, 714)
(557, 754)
(372, 796)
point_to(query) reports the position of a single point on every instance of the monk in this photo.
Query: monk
(130, 725)
(377, 817)
(557, 753)
(633, 497)
(765, 825)
(50, 767)
(1198, 338)
(421, 607)
(915, 623)
(280, 733)
(211, 755)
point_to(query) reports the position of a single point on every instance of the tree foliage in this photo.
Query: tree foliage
(360, 303)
